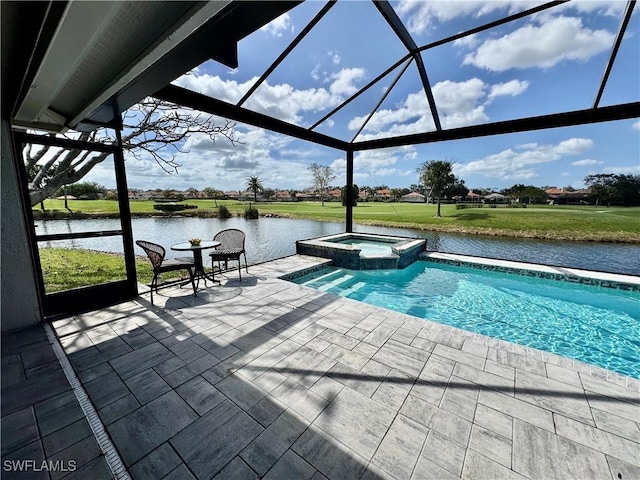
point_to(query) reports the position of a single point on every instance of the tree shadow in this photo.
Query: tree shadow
(470, 217)
(238, 348)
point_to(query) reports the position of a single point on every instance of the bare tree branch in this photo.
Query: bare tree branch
(152, 129)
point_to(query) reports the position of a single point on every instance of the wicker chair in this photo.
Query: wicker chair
(161, 265)
(231, 248)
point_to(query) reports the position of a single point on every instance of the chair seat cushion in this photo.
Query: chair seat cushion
(226, 253)
(174, 264)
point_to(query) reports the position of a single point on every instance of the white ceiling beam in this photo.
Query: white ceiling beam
(73, 39)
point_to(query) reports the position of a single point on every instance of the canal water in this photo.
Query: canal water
(270, 238)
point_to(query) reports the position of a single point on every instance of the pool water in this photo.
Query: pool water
(597, 325)
(368, 247)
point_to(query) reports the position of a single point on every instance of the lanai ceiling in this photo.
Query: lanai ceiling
(93, 60)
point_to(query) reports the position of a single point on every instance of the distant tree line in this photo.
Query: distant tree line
(84, 190)
(525, 193)
(437, 181)
(614, 189)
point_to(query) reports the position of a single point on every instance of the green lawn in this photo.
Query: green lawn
(620, 224)
(67, 268)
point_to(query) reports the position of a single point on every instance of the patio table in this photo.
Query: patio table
(197, 259)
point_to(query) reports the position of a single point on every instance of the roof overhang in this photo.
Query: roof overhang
(93, 60)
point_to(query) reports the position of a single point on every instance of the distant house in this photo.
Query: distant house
(472, 197)
(283, 196)
(560, 196)
(248, 195)
(301, 196)
(383, 194)
(413, 197)
(334, 195)
(232, 195)
(140, 195)
(495, 198)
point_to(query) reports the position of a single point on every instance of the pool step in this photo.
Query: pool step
(323, 278)
(354, 288)
(334, 283)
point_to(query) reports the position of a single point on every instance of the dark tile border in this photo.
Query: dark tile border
(563, 277)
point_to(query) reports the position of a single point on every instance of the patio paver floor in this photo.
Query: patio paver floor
(266, 378)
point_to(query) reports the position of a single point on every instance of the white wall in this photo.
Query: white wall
(19, 293)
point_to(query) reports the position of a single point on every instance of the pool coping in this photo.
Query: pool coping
(566, 274)
(573, 275)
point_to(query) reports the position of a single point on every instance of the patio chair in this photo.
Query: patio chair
(231, 248)
(156, 254)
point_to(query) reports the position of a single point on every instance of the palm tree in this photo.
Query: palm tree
(255, 185)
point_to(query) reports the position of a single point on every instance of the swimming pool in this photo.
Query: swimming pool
(593, 324)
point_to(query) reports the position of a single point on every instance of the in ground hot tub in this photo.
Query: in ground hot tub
(361, 251)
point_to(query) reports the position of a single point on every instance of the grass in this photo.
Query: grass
(614, 224)
(65, 268)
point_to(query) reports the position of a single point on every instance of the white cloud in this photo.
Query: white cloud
(469, 42)
(315, 73)
(279, 25)
(630, 170)
(281, 101)
(421, 16)
(212, 85)
(574, 146)
(375, 166)
(586, 162)
(218, 164)
(636, 125)
(608, 7)
(286, 103)
(552, 41)
(344, 81)
(519, 163)
(459, 104)
(511, 88)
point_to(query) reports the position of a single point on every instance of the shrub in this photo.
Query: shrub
(251, 213)
(224, 212)
(461, 206)
(173, 207)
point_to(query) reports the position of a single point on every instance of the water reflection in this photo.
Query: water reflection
(269, 238)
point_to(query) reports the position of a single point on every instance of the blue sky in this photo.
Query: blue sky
(546, 63)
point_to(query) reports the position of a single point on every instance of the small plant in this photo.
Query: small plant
(251, 213)
(195, 242)
(224, 212)
(173, 207)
